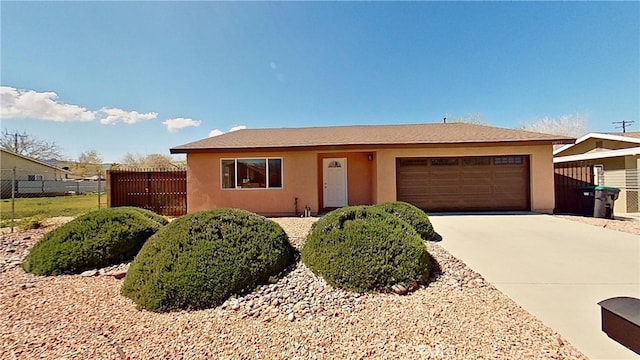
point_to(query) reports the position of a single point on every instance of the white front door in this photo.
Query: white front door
(334, 176)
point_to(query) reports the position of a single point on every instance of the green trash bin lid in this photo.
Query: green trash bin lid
(607, 188)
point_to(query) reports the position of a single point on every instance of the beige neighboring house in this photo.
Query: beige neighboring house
(26, 168)
(437, 167)
(616, 161)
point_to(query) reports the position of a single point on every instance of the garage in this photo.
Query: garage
(478, 183)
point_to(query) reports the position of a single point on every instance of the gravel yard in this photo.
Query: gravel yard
(624, 224)
(458, 315)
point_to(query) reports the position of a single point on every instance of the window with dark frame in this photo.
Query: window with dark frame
(251, 173)
(507, 160)
(444, 162)
(475, 161)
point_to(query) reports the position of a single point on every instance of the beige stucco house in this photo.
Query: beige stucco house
(616, 162)
(438, 167)
(26, 169)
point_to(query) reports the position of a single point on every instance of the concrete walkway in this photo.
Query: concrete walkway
(556, 269)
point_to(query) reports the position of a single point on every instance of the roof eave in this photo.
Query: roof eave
(597, 136)
(185, 150)
(598, 155)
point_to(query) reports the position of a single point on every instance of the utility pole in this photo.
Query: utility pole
(623, 124)
(15, 139)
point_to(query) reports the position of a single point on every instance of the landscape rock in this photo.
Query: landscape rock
(399, 289)
(90, 273)
(449, 317)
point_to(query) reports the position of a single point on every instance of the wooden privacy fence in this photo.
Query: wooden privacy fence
(569, 178)
(161, 191)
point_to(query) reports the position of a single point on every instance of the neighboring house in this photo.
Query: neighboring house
(26, 169)
(438, 167)
(616, 162)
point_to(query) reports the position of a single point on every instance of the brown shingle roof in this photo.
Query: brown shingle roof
(412, 134)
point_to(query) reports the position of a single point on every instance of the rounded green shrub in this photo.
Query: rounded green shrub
(363, 248)
(97, 239)
(199, 260)
(147, 213)
(411, 214)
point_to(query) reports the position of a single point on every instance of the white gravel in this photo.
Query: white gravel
(457, 316)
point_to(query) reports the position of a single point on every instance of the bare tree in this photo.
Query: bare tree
(28, 145)
(475, 119)
(574, 125)
(150, 161)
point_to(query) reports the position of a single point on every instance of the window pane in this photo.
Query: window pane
(228, 174)
(507, 160)
(444, 162)
(252, 173)
(476, 161)
(275, 173)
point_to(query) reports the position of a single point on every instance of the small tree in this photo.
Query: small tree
(89, 164)
(574, 125)
(28, 145)
(150, 161)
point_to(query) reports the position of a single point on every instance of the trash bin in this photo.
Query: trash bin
(587, 199)
(604, 199)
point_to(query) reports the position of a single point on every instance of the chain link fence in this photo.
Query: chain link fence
(35, 194)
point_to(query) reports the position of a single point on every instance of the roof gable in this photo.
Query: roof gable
(36, 161)
(587, 143)
(372, 135)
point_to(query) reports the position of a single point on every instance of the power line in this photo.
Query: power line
(623, 124)
(15, 139)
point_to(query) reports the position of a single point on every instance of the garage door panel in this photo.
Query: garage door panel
(466, 183)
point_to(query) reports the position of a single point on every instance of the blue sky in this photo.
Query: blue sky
(141, 77)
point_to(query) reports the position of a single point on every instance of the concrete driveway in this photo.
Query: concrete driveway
(556, 269)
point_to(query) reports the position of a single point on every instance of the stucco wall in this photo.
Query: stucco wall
(299, 179)
(369, 181)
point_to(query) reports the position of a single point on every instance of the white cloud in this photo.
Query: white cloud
(217, 132)
(176, 124)
(29, 104)
(273, 65)
(238, 127)
(114, 115)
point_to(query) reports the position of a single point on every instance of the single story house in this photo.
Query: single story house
(437, 167)
(26, 169)
(616, 162)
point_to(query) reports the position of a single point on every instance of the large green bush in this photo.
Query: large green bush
(97, 239)
(411, 214)
(147, 213)
(362, 248)
(200, 260)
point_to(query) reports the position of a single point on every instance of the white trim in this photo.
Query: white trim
(598, 155)
(266, 180)
(627, 139)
